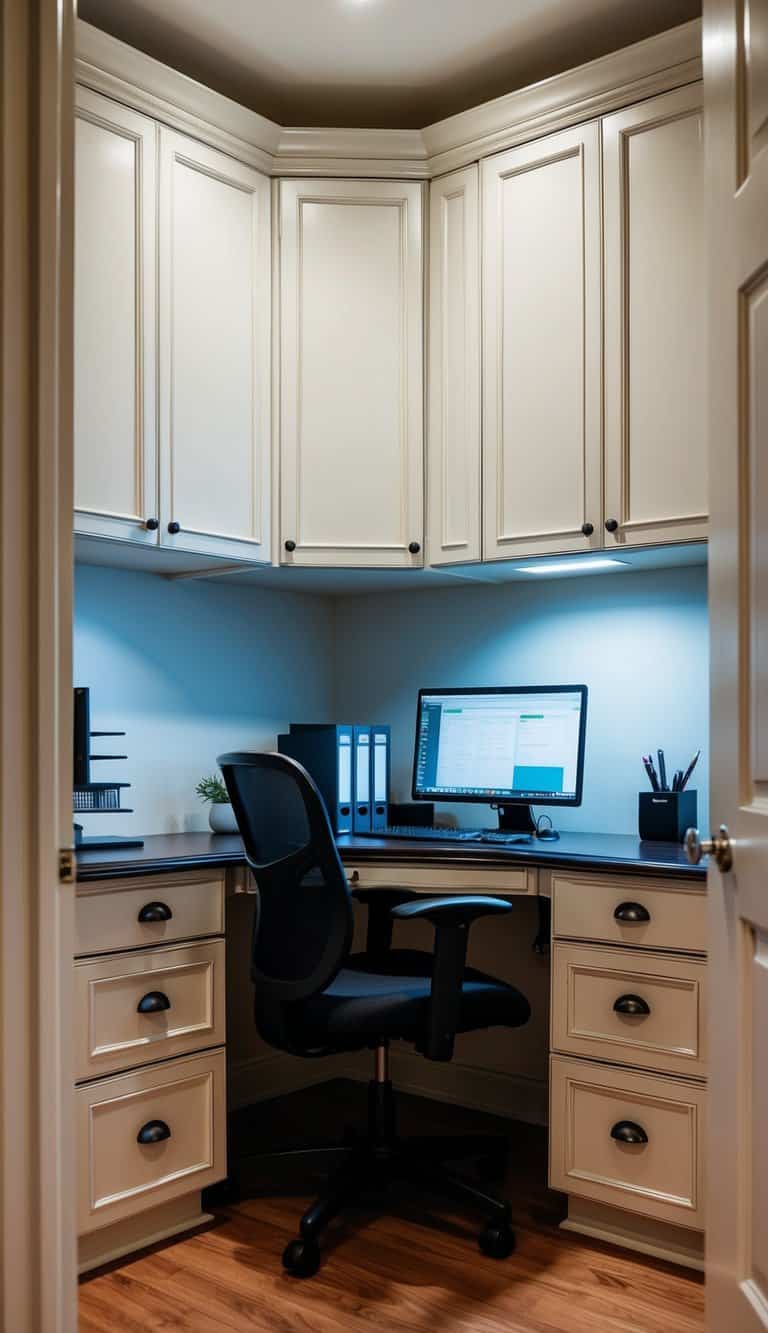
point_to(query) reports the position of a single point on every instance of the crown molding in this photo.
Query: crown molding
(120, 71)
(655, 65)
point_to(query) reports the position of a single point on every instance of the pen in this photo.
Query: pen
(651, 771)
(677, 779)
(662, 771)
(689, 770)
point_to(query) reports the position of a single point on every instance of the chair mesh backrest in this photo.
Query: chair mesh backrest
(303, 923)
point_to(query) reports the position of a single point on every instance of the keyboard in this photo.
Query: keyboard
(416, 833)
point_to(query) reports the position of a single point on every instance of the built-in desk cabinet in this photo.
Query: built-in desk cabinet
(655, 321)
(150, 1035)
(542, 346)
(351, 335)
(592, 341)
(171, 236)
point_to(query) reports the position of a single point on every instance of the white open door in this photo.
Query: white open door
(37, 1168)
(736, 139)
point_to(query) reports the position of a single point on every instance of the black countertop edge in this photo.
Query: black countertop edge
(164, 854)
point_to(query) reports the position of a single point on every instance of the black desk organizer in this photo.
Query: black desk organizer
(664, 816)
(95, 798)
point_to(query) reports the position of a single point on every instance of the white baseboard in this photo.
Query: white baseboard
(265, 1076)
(509, 1095)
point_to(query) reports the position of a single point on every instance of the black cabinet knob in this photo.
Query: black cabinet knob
(626, 1131)
(587, 529)
(154, 912)
(632, 913)
(155, 1131)
(632, 1004)
(414, 548)
(154, 1002)
(173, 528)
(290, 546)
(611, 524)
(152, 524)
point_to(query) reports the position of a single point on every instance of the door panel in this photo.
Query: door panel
(454, 473)
(115, 275)
(542, 346)
(214, 351)
(655, 406)
(736, 96)
(351, 372)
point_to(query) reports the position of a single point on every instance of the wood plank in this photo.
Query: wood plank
(416, 1269)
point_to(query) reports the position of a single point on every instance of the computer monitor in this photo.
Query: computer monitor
(511, 747)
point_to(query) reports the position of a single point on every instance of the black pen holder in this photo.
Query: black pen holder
(664, 816)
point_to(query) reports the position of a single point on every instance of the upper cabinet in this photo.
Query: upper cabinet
(214, 351)
(454, 448)
(203, 483)
(115, 316)
(351, 333)
(655, 400)
(542, 346)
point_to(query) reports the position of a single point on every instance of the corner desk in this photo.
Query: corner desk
(626, 925)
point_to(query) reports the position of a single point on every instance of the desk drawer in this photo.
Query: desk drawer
(443, 879)
(183, 991)
(593, 987)
(185, 1102)
(601, 907)
(159, 909)
(661, 1176)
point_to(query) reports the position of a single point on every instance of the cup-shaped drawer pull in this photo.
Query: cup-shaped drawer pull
(155, 1131)
(152, 912)
(626, 1131)
(634, 1005)
(154, 1002)
(631, 913)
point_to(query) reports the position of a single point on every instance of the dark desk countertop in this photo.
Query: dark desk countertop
(163, 853)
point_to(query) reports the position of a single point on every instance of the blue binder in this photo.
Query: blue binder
(325, 750)
(380, 763)
(361, 822)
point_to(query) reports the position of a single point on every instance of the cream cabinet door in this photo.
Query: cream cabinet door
(454, 436)
(115, 312)
(351, 373)
(655, 321)
(736, 120)
(215, 376)
(542, 346)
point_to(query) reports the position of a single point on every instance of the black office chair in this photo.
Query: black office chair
(314, 998)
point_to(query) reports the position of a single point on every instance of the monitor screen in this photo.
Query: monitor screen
(515, 743)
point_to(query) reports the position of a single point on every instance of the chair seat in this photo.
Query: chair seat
(377, 996)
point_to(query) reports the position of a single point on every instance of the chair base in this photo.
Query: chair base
(365, 1169)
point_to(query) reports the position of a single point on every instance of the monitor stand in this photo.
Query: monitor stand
(518, 818)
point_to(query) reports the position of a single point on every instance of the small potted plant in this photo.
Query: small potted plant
(221, 816)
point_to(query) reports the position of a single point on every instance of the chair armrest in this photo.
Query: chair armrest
(380, 904)
(452, 918)
(461, 909)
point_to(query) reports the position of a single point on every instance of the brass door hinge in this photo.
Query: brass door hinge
(67, 865)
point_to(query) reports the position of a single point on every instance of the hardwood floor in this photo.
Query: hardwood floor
(415, 1270)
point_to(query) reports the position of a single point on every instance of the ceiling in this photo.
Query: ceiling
(377, 63)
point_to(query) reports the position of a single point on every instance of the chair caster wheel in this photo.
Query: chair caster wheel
(302, 1258)
(497, 1242)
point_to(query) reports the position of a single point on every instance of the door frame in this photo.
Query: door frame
(37, 1159)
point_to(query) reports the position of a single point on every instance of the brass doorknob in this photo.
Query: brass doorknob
(719, 846)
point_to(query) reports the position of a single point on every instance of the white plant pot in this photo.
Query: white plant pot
(221, 818)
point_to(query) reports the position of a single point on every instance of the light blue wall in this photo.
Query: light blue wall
(190, 669)
(639, 641)
(187, 670)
